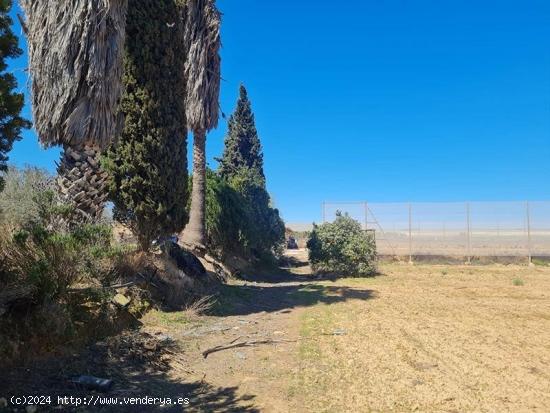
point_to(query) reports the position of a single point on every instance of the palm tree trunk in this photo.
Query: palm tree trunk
(194, 234)
(82, 183)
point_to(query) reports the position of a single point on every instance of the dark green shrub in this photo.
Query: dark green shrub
(265, 232)
(227, 218)
(342, 248)
(239, 219)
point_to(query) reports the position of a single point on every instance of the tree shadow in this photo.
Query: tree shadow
(250, 299)
(140, 365)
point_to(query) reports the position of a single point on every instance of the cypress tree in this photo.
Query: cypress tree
(11, 103)
(243, 149)
(148, 166)
(242, 166)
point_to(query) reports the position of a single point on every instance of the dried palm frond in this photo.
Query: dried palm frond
(75, 62)
(202, 68)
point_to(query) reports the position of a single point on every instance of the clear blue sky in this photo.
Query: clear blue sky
(386, 100)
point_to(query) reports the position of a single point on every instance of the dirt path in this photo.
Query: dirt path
(248, 311)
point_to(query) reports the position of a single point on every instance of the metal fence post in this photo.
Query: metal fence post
(366, 216)
(528, 216)
(468, 235)
(410, 234)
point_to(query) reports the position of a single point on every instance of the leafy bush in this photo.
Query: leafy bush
(51, 279)
(342, 248)
(49, 259)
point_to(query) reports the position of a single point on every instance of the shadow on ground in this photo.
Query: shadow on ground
(139, 364)
(249, 299)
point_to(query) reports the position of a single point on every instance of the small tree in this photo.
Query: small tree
(148, 167)
(11, 103)
(342, 248)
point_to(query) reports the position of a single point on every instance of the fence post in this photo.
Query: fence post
(468, 235)
(366, 216)
(410, 234)
(528, 215)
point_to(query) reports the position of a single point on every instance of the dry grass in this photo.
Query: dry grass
(200, 306)
(432, 339)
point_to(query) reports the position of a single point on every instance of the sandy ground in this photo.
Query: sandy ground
(433, 339)
(415, 338)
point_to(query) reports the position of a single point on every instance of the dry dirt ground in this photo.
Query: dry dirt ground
(423, 338)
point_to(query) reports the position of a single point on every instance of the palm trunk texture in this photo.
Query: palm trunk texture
(194, 232)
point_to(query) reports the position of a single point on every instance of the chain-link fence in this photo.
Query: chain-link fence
(455, 229)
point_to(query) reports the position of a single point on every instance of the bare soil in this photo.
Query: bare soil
(422, 338)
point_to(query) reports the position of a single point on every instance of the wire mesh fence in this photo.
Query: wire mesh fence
(453, 229)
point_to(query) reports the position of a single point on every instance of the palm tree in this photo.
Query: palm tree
(75, 62)
(202, 71)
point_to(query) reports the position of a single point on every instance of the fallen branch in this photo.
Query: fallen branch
(99, 287)
(122, 285)
(236, 339)
(205, 353)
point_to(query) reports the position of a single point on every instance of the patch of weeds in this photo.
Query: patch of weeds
(444, 272)
(173, 319)
(517, 282)
(314, 323)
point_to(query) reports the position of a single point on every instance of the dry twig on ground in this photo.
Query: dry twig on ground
(209, 351)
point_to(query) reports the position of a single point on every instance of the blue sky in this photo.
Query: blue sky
(386, 100)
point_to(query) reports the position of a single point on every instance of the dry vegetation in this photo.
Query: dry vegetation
(431, 338)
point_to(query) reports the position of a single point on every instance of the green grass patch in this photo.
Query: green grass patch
(172, 319)
(517, 282)
(540, 262)
(314, 323)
